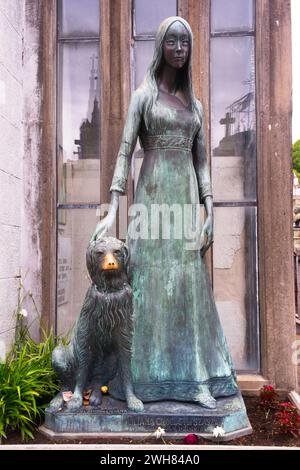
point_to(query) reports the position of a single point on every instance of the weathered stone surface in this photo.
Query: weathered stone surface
(11, 108)
(8, 303)
(9, 251)
(11, 50)
(10, 196)
(11, 143)
(14, 13)
(11, 152)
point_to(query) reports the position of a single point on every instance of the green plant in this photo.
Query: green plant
(296, 157)
(27, 379)
(27, 383)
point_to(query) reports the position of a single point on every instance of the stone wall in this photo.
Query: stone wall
(22, 177)
(11, 152)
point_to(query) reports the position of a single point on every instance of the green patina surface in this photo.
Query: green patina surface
(179, 349)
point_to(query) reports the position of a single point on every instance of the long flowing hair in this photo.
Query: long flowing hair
(184, 75)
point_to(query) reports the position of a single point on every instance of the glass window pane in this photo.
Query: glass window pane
(149, 14)
(78, 130)
(233, 118)
(75, 227)
(143, 56)
(78, 18)
(234, 178)
(235, 282)
(232, 15)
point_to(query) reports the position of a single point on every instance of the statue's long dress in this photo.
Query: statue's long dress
(179, 348)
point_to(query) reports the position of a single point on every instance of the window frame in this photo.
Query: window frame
(275, 241)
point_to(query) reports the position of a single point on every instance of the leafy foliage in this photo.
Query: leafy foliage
(27, 383)
(296, 157)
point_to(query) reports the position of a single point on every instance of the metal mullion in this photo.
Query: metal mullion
(78, 39)
(251, 203)
(91, 205)
(144, 37)
(226, 34)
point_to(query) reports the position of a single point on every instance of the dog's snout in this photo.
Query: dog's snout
(110, 262)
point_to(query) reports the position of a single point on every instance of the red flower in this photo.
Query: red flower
(191, 439)
(287, 419)
(268, 397)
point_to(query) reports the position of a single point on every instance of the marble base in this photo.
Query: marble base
(177, 418)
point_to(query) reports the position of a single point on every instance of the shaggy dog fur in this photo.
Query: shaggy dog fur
(100, 347)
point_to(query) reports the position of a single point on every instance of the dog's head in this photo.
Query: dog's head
(106, 259)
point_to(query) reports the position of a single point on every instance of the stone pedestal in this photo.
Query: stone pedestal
(177, 418)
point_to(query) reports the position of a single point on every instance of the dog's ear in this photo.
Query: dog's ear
(90, 259)
(126, 255)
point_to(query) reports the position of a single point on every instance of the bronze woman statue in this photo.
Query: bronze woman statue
(179, 349)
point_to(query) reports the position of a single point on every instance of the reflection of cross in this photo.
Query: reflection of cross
(227, 120)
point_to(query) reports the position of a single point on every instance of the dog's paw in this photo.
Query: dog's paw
(134, 404)
(96, 398)
(75, 403)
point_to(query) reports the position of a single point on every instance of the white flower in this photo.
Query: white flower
(159, 432)
(23, 313)
(218, 431)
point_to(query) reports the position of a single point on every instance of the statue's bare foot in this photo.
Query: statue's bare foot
(56, 403)
(206, 400)
(96, 398)
(75, 403)
(134, 404)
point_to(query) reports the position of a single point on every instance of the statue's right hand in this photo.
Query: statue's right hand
(103, 226)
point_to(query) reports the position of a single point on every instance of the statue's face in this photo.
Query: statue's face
(176, 45)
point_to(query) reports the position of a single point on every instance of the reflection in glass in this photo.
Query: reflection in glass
(143, 55)
(233, 117)
(235, 282)
(234, 178)
(79, 123)
(149, 14)
(231, 15)
(78, 18)
(75, 227)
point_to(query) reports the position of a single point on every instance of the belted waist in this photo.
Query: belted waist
(151, 142)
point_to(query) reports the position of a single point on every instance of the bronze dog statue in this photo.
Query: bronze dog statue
(100, 347)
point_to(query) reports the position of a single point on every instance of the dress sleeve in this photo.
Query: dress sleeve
(200, 160)
(129, 138)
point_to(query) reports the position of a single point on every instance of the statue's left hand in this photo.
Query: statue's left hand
(206, 237)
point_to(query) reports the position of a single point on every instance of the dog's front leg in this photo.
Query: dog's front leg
(76, 401)
(124, 360)
(81, 375)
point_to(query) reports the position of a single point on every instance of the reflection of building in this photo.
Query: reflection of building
(239, 127)
(234, 178)
(240, 120)
(88, 144)
(239, 145)
(81, 184)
